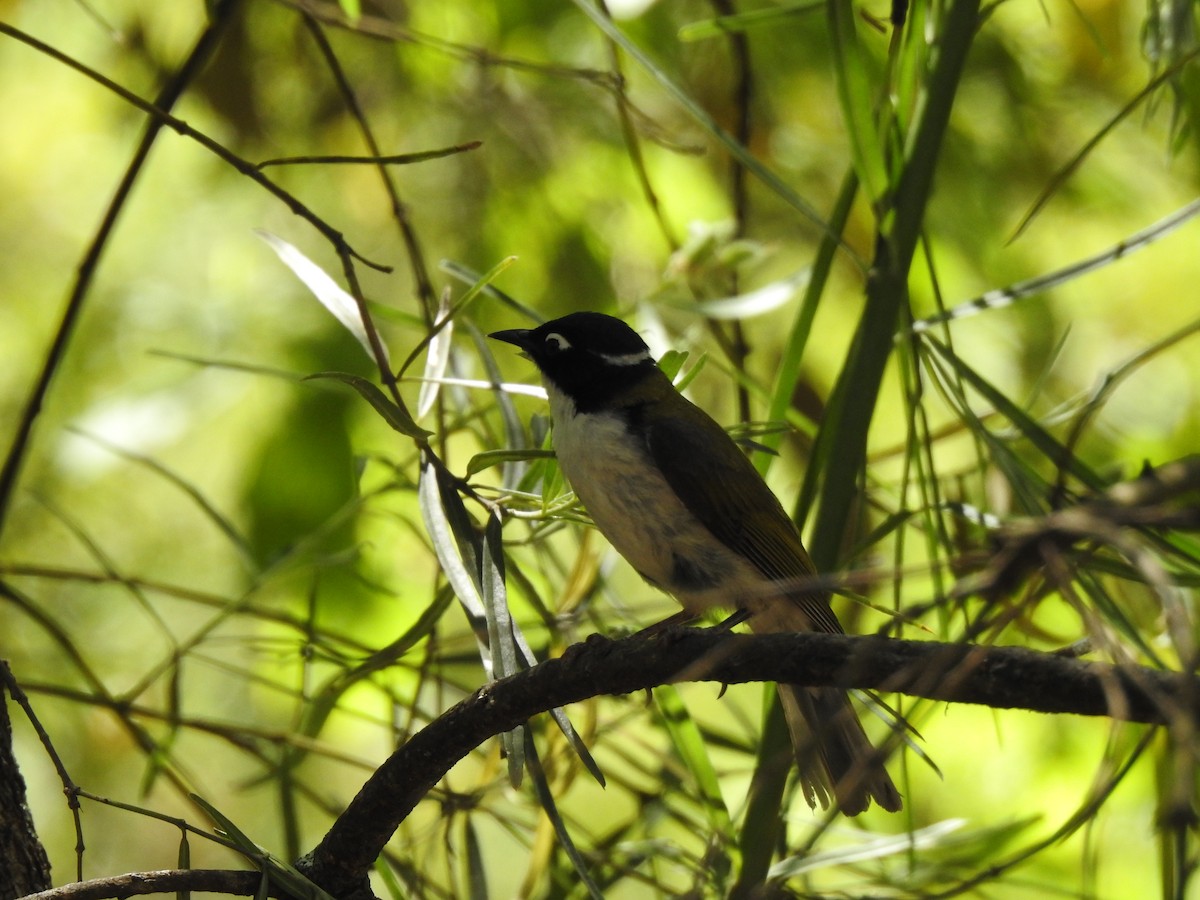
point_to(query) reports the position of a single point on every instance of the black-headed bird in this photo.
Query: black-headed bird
(674, 494)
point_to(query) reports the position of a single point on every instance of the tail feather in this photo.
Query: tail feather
(834, 754)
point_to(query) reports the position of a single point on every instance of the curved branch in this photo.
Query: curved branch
(1000, 677)
(164, 881)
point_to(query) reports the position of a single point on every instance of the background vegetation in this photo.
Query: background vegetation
(218, 577)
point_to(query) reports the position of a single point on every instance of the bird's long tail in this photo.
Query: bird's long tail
(833, 752)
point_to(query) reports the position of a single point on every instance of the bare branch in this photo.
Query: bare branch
(164, 881)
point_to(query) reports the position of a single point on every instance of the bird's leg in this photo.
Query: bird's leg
(733, 620)
(737, 617)
(680, 618)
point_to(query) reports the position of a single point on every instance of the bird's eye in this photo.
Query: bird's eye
(556, 343)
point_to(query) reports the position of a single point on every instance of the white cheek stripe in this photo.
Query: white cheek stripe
(626, 359)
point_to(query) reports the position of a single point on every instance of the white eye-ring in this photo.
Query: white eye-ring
(556, 343)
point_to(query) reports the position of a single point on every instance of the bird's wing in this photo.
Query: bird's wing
(721, 487)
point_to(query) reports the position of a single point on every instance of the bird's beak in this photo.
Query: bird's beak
(517, 336)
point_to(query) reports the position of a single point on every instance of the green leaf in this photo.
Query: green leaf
(870, 849)
(396, 416)
(689, 376)
(506, 657)
(274, 871)
(1053, 450)
(327, 697)
(340, 304)
(438, 357)
(793, 355)
(541, 788)
(672, 362)
(753, 303)
(689, 744)
(755, 18)
(183, 860)
(444, 321)
(858, 99)
(450, 531)
(489, 458)
(762, 821)
(477, 883)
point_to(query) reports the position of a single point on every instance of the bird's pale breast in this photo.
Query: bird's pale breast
(641, 516)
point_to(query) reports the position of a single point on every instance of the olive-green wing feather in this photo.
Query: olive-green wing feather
(715, 480)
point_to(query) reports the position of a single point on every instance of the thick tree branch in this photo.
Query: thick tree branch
(1000, 677)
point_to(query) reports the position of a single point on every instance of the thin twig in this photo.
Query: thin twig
(399, 159)
(416, 257)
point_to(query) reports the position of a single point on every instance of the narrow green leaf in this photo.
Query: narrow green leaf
(437, 358)
(857, 98)
(506, 657)
(545, 796)
(395, 890)
(183, 860)
(672, 362)
(753, 303)
(763, 820)
(1053, 450)
(754, 18)
(463, 577)
(462, 303)
(689, 376)
(873, 848)
(469, 276)
(477, 884)
(689, 744)
(231, 831)
(793, 355)
(489, 458)
(852, 405)
(274, 870)
(396, 416)
(341, 304)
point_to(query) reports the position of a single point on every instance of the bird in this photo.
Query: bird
(675, 495)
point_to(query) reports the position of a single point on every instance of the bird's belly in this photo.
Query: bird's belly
(643, 518)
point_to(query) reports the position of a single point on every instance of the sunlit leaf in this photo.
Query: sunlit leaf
(489, 458)
(755, 303)
(870, 849)
(331, 295)
(437, 358)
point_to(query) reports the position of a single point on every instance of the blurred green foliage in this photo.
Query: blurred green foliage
(203, 551)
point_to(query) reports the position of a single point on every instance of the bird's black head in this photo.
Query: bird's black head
(588, 356)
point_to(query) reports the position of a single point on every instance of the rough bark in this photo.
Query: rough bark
(24, 868)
